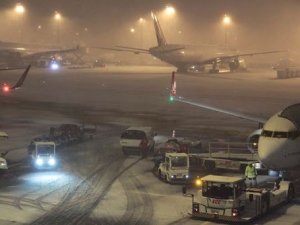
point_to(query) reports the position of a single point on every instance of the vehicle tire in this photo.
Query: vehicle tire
(159, 174)
(124, 152)
(152, 149)
(166, 178)
(291, 193)
(264, 207)
(209, 165)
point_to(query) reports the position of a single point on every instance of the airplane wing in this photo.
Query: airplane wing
(233, 56)
(21, 79)
(6, 88)
(51, 52)
(173, 97)
(126, 49)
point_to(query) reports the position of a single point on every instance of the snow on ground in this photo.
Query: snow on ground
(120, 97)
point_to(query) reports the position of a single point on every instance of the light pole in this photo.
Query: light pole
(169, 14)
(58, 18)
(226, 22)
(142, 22)
(20, 10)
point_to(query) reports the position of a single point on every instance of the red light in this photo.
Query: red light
(6, 88)
(235, 212)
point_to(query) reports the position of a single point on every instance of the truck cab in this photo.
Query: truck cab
(228, 199)
(175, 168)
(44, 155)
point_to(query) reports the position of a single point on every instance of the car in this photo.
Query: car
(138, 140)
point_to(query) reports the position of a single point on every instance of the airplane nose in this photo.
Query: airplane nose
(271, 152)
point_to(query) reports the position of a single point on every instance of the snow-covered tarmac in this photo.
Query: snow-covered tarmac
(96, 183)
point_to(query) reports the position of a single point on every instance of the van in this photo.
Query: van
(137, 140)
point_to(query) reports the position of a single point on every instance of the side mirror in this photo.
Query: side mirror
(184, 190)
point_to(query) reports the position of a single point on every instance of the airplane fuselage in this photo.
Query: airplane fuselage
(186, 56)
(279, 144)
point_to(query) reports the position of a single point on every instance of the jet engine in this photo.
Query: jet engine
(252, 140)
(237, 64)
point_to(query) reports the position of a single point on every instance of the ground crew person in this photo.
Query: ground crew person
(251, 174)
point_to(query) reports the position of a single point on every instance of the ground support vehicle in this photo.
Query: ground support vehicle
(175, 168)
(44, 155)
(138, 141)
(66, 134)
(3, 162)
(228, 199)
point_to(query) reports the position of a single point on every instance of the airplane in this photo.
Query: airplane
(7, 88)
(187, 58)
(278, 140)
(14, 55)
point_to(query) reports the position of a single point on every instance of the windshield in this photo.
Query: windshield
(217, 190)
(45, 150)
(133, 134)
(179, 161)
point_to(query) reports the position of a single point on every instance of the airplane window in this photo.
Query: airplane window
(280, 134)
(267, 133)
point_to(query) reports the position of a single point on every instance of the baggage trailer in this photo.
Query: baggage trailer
(226, 155)
(228, 199)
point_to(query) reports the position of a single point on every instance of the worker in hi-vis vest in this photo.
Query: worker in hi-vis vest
(251, 174)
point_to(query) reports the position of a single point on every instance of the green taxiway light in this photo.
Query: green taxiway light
(171, 98)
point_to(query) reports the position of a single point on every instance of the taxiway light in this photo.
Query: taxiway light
(171, 98)
(5, 88)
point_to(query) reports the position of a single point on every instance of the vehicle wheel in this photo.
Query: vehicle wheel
(264, 207)
(159, 174)
(125, 152)
(152, 149)
(291, 193)
(166, 178)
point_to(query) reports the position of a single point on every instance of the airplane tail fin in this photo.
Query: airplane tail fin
(173, 87)
(22, 79)
(161, 41)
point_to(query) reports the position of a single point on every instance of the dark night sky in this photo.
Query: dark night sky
(257, 23)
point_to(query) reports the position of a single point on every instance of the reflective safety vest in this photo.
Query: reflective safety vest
(250, 172)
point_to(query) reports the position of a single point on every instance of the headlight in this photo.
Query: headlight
(2, 163)
(198, 182)
(39, 161)
(51, 162)
(173, 176)
(186, 176)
